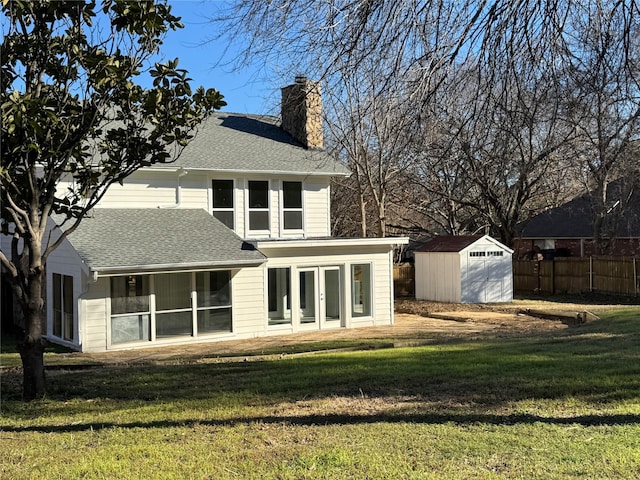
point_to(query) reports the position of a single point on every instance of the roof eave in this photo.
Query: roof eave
(265, 172)
(331, 242)
(173, 267)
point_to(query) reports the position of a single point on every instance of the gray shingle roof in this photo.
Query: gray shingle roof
(117, 239)
(575, 219)
(254, 143)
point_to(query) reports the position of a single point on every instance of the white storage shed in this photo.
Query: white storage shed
(464, 269)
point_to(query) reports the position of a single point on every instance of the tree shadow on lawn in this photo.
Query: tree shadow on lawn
(338, 420)
(594, 363)
(591, 367)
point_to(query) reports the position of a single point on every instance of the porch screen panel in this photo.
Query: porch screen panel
(173, 305)
(130, 314)
(213, 291)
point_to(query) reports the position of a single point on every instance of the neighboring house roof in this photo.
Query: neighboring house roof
(254, 143)
(574, 219)
(456, 243)
(147, 239)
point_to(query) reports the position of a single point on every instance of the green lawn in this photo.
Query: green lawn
(541, 407)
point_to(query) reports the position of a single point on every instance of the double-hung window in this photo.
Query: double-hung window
(223, 201)
(259, 205)
(292, 205)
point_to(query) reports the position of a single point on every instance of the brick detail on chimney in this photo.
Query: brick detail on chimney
(301, 112)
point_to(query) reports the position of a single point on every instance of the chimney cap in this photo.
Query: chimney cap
(301, 79)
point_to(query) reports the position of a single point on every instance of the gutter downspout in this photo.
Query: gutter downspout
(181, 173)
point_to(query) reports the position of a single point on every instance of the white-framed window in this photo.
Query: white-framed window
(223, 204)
(279, 295)
(292, 210)
(63, 310)
(361, 290)
(258, 205)
(477, 254)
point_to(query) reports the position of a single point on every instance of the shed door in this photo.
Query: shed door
(485, 275)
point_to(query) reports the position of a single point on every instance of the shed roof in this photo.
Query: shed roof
(449, 243)
(148, 239)
(457, 243)
(254, 143)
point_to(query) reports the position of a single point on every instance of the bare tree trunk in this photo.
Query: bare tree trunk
(382, 215)
(363, 214)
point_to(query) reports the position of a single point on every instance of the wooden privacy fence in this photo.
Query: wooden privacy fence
(616, 275)
(404, 280)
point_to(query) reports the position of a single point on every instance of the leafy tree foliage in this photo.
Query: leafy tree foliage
(72, 111)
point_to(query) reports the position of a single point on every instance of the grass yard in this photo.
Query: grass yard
(547, 407)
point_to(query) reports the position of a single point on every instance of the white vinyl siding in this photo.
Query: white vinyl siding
(94, 308)
(249, 305)
(316, 211)
(153, 189)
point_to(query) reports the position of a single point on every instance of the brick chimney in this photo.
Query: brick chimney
(301, 112)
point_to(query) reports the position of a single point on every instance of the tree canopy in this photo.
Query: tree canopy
(509, 102)
(73, 110)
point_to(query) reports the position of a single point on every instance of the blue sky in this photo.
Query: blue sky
(242, 91)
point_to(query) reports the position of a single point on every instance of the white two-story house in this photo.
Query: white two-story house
(231, 241)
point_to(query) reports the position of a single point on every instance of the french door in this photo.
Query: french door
(319, 295)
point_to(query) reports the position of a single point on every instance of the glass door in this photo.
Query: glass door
(330, 303)
(308, 287)
(319, 297)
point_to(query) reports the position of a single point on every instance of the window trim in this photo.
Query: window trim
(371, 313)
(249, 209)
(287, 285)
(63, 302)
(284, 209)
(231, 209)
(198, 308)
